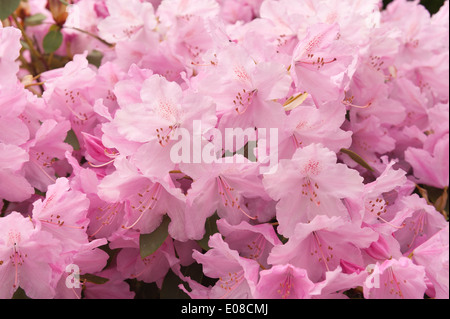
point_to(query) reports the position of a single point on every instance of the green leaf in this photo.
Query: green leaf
(95, 58)
(94, 279)
(20, 294)
(53, 39)
(283, 239)
(195, 272)
(72, 139)
(441, 202)
(38, 192)
(149, 243)
(358, 159)
(7, 7)
(35, 19)
(170, 289)
(210, 229)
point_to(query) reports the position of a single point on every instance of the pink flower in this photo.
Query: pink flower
(433, 255)
(26, 258)
(9, 51)
(285, 282)
(125, 20)
(375, 204)
(221, 187)
(154, 114)
(237, 275)
(322, 64)
(251, 241)
(87, 259)
(395, 279)
(155, 121)
(68, 93)
(421, 221)
(63, 214)
(96, 152)
(152, 268)
(47, 146)
(338, 281)
(311, 184)
(431, 168)
(307, 124)
(233, 11)
(114, 288)
(319, 246)
(377, 101)
(246, 90)
(369, 140)
(146, 199)
(14, 186)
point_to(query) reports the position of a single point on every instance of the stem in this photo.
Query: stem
(33, 84)
(25, 36)
(92, 35)
(50, 58)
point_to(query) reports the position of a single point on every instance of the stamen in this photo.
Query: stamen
(60, 223)
(71, 98)
(394, 283)
(164, 135)
(42, 161)
(349, 102)
(286, 286)
(229, 285)
(243, 100)
(225, 191)
(417, 227)
(146, 204)
(309, 190)
(379, 207)
(102, 165)
(257, 247)
(147, 262)
(320, 62)
(325, 258)
(110, 213)
(297, 143)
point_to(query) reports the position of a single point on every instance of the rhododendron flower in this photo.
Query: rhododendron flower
(307, 125)
(152, 268)
(285, 282)
(311, 184)
(395, 279)
(146, 199)
(14, 186)
(126, 19)
(433, 255)
(63, 214)
(221, 187)
(319, 246)
(237, 275)
(217, 149)
(26, 257)
(251, 241)
(322, 64)
(9, 51)
(338, 281)
(44, 150)
(421, 222)
(245, 91)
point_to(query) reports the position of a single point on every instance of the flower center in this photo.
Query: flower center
(146, 201)
(228, 198)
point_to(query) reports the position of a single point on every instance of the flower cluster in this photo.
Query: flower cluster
(346, 197)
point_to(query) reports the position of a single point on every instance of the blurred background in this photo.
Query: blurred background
(432, 5)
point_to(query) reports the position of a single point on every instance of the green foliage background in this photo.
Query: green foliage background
(431, 5)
